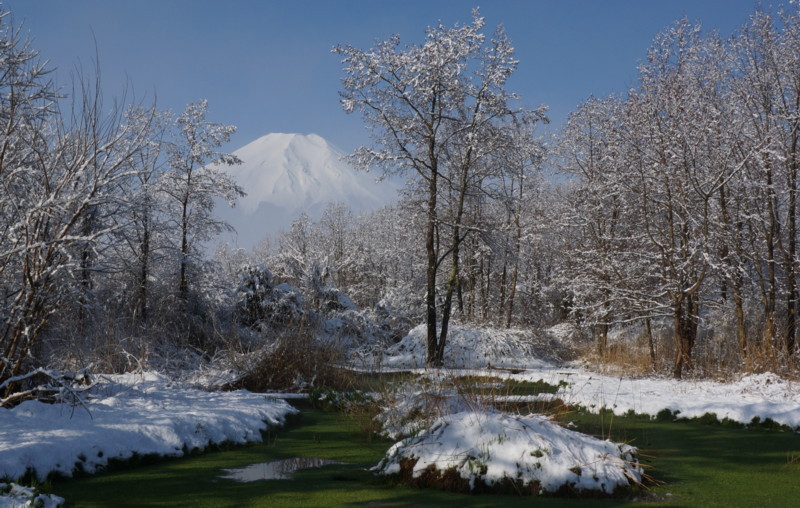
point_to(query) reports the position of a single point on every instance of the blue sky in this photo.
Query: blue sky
(266, 65)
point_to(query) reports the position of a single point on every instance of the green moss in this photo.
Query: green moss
(531, 387)
(666, 415)
(692, 464)
(705, 462)
(708, 419)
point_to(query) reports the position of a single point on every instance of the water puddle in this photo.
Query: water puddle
(275, 470)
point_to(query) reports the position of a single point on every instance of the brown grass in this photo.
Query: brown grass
(296, 361)
(715, 356)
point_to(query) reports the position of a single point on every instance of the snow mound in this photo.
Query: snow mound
(491, 447)
(474, 348)
(129, 414)
(17, 496)
(412, 407)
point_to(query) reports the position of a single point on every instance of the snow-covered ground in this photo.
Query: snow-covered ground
(447, 429)
(471, 351)
(128, 414)
(17, 496)
(758, 395)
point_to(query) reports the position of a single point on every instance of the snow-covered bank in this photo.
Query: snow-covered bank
(129, 414)
(526, 356)
(758, 395)
(490, 447)
(457, 437)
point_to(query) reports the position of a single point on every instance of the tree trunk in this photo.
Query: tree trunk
(430, 297)
(512, 294)
(791, 255)
(773, 237)
(650, 343)
(144, 274)
(502, 307)
(685, 322)
(602, 340)
(448, 301)
(86, 258)
(455, 266)
(741, 332)
(680, 344)
(183, 287)
(515, 270)
(472, 291)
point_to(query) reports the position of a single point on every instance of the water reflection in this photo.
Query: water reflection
(275, 470)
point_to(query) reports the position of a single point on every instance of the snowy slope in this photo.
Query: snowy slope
(285, 175)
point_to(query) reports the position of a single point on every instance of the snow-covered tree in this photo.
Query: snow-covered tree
(194, 181)
(139, 242)
(435, 110)
(685, 192)
(60, 174)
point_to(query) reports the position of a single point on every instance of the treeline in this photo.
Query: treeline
(683, 203)
(668, 213)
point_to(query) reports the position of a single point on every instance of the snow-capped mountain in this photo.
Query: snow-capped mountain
(285, 175)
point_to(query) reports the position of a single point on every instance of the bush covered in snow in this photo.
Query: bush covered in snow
(262, 303)
(303, 332)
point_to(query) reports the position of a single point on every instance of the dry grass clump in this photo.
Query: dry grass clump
(295, 361)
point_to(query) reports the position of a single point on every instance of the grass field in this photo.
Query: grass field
(693, 464)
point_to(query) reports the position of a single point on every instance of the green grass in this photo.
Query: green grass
(701, 465)
(378, 381)
(492, 385)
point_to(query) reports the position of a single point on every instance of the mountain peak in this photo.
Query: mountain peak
(286, 174)
(287, 138)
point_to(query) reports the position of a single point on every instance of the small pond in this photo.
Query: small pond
(276, 469)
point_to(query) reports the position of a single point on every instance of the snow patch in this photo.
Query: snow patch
(17, 496)
(473, 350)
(759, 395)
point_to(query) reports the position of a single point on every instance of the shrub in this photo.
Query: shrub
(296, 361)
